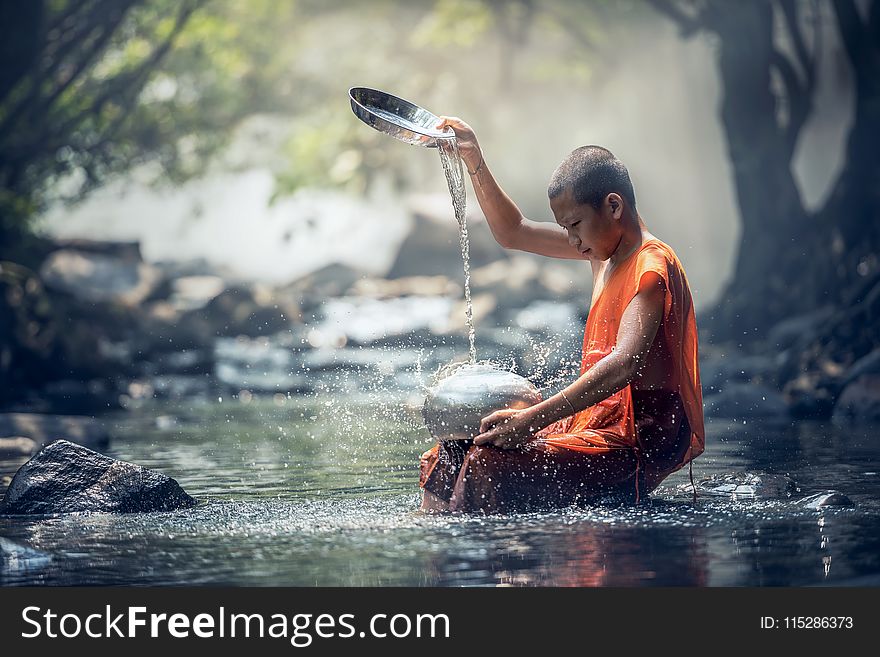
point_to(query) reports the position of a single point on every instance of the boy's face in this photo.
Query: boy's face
(595, 233)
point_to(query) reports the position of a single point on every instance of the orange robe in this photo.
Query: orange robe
(606, 447)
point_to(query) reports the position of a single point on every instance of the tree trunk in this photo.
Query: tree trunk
(771, 245)
(849, 223)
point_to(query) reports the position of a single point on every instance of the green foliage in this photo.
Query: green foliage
(90, 89)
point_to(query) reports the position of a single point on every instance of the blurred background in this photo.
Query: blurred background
(188, 205)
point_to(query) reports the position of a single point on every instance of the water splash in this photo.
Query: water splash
(452, 167)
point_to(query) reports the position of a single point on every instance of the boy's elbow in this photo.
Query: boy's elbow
(507, 240)
(629, 367)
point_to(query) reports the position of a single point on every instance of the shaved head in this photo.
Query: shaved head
(592, 173)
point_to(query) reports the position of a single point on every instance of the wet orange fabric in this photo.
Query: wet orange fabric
(610, 424)
(606, 447)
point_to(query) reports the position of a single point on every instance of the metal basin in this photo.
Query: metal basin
(397, 117)
(455, 405)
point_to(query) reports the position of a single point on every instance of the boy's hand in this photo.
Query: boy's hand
(507, 429)
(468, 146)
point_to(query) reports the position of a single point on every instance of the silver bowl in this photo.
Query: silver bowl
(397, 117)
(455, 405)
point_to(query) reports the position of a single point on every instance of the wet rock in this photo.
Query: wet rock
(750, 485)
(15, 558)
(828, 498)
(42, 429)
(67, 478)
(93, 277)
(859, 403)
(746, 401)
(17, 446)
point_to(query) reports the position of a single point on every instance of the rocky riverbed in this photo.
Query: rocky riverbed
(92, 327)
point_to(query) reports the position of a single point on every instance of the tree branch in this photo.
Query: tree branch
(806, 61)
(799, 99)
(129, 81)
(36, 108)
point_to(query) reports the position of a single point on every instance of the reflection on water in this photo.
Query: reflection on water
(311, 495)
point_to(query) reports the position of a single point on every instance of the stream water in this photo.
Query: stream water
(297, 492)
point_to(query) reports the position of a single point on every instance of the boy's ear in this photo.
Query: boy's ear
(615, 204)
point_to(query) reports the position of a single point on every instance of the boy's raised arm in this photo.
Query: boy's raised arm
(508, 225)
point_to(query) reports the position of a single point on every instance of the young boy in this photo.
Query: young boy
(635, 415)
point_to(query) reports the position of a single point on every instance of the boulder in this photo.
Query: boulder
(859, 403)
(43, 429)
(828, 498)
(95, 277)
(746, 401)
(68, 478)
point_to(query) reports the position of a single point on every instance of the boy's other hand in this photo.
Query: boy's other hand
(507, 428)
(468, 146)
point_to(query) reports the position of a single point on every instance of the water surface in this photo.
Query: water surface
(297, 493)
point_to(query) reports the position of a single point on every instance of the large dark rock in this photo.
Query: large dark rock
(68, 478)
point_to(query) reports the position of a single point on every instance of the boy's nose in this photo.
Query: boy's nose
(574, 241)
